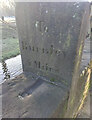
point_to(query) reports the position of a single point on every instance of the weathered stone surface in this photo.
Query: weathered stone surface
(40, 103)
(48, 35)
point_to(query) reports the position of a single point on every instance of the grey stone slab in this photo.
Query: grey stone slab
(49, 37)
(42, 102)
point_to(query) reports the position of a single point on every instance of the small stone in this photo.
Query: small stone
(83, 72)
(20, 97)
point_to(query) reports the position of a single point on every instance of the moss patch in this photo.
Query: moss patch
(67, 42)
(52, 79)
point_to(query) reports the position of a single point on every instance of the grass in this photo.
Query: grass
(10, 42)
(10, 48)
